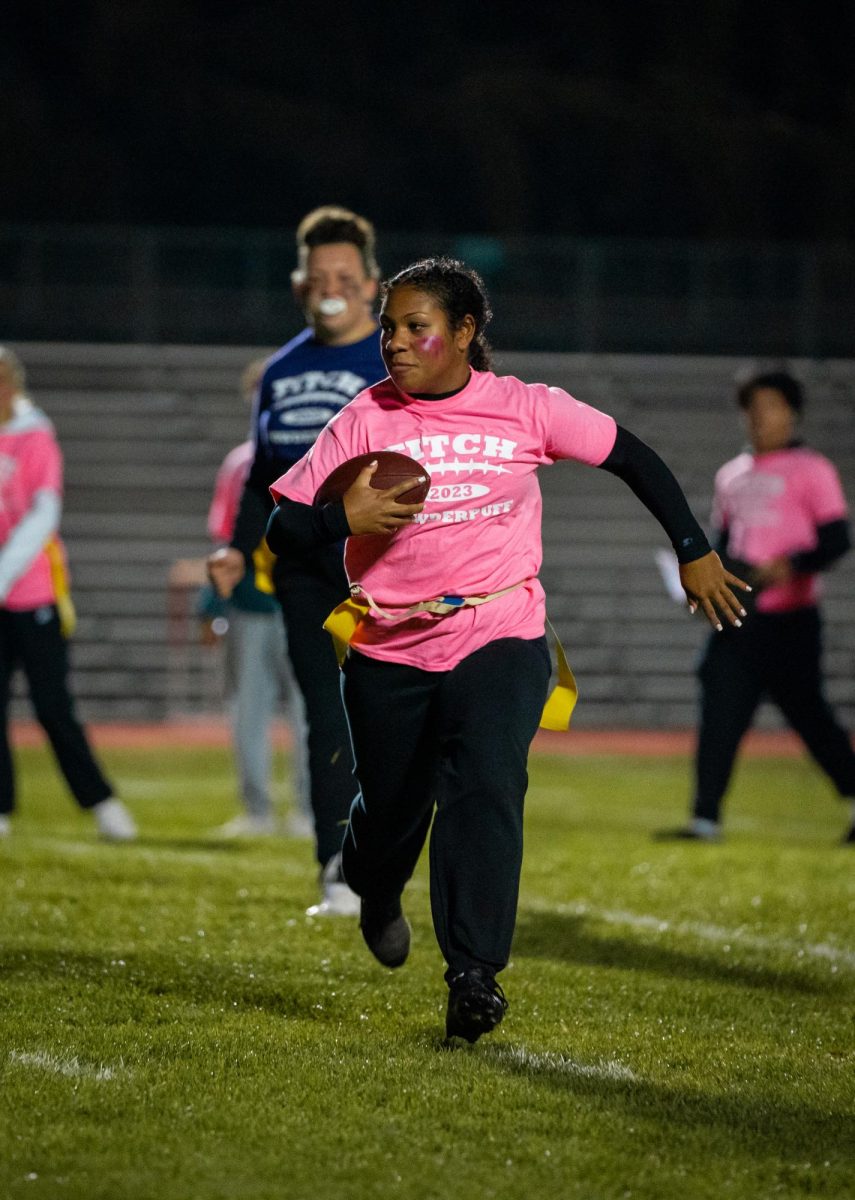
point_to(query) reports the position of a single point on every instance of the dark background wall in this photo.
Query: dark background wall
(655, 176)
(708, 119)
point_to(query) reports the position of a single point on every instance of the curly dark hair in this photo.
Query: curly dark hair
(780, 381)
(459, 291)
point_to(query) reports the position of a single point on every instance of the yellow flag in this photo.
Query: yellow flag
(61, 588)
(562, 699)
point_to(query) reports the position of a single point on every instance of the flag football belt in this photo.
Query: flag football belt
(343, 621)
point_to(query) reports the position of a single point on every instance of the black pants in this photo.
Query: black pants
(775, 655)
(457, 740)
(32, 640)
(308, 596)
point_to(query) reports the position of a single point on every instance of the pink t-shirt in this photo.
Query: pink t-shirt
(30, 462)
(480, 528)
(227, 491)
(771, 504)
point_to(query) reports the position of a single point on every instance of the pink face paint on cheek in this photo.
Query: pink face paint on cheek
(432, 344)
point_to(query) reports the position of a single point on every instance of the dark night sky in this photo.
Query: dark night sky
(733, 118)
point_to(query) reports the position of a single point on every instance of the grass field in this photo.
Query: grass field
(680, 1023)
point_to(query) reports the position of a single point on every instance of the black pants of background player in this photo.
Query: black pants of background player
(776, 656)
(308, 593)
(456, 741)
(32, 641)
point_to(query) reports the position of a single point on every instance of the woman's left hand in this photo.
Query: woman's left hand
(705, 582)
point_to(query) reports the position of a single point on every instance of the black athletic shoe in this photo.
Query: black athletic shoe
(386, 930)
(849, 837)
(476, 1004)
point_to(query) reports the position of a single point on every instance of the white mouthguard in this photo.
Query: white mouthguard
(332, 307)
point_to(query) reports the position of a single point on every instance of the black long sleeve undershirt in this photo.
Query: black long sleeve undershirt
(295, 528)
(255, 506)
(832, 542)
(251, 522)
(647, 475)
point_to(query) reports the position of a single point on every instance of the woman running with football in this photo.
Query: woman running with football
(443, 705)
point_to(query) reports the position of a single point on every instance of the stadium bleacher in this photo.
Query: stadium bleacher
(144, 428)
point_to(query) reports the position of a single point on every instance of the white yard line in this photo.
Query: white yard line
(229, 856)
(71, 1068)
(838, 955)
(560, 1064)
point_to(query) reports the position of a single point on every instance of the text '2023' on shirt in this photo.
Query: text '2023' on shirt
(480, 530)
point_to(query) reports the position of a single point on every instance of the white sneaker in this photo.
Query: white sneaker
(704, 830)
(5, 825)
(247, 825)
(114, 821)
(337, 900)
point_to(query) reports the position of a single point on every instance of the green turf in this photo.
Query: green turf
(681, 1019)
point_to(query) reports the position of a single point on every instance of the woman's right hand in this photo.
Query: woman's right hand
(370, 510)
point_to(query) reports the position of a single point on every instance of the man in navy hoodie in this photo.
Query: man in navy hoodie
(303, 386)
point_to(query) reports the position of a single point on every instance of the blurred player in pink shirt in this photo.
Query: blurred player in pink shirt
(443, 705)
(781, 518)
(33, 599)
(258, 676)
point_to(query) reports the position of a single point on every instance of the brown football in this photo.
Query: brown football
(392, 468)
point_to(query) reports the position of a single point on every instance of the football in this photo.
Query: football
(392, 468)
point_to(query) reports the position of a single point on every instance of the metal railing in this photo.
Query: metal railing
(228, 286)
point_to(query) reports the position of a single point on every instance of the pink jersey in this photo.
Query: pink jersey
(771, 504)
(480, 528)
(30, 462)
(227, 491)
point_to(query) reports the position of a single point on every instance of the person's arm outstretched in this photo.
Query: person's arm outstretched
(705, 581)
